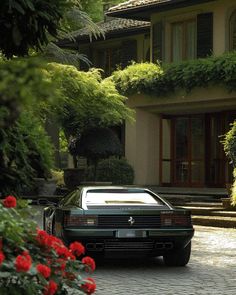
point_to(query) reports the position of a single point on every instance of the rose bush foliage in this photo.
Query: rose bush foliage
(34, 262)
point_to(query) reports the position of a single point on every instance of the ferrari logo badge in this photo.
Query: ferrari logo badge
(131, 220)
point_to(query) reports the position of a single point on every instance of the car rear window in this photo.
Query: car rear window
(120, 198)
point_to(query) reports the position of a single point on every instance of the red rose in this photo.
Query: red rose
(89, 287)
(89, 262)
(48, 241)
(9, 202)
(77, 248)
(51, 288)
(2, 257)
(44, 270)
(62, 264)
(23, 262)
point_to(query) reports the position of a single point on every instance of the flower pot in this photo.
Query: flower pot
(73, 177)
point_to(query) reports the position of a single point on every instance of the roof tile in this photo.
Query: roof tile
(114, 25)
(135, 3)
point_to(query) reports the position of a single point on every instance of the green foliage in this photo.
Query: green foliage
(95, 8)
(26, 90)
(20, 239)
(32, 88)
(159, 81)
(26, 152)
(233, 195)
(96, 143)
(137, 78)
(117, 171)
(58, 176)
(29, 24)
(86, 101)
(229, 143)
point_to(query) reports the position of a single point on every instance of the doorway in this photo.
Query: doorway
(188, 151)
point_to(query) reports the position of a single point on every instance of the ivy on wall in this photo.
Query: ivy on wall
(157, 80)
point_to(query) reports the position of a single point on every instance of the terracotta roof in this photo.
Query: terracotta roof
(114, 25)
(135, 4)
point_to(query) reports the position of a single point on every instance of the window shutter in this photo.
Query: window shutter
(157, 37)
(129, 52)
(204, 34)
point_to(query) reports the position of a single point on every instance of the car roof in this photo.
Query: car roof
(126, 188)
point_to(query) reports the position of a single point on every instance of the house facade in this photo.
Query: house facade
(175, 140)
(121, 41)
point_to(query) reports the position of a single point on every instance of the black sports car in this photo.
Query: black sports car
(122, 220)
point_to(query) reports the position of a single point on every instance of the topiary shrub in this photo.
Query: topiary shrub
(117, 171)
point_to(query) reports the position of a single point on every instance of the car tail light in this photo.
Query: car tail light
(173, 219)
(79, 220)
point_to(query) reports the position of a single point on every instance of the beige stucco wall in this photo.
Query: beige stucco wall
(143, 137)
(221, 9)
(142, 147)
(200, 100)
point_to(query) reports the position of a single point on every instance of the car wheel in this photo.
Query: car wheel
(179, 257)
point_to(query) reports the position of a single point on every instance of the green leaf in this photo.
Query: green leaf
(18, 7)
(4, 274)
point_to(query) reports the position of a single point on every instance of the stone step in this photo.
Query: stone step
(180, 200)
(215, 221)
(209, 211)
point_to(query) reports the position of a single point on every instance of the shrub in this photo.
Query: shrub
(117, 171)
(163, 80)
(229, 143)
(33, 262)
(233, 194)
(26, 153)
(58, 176)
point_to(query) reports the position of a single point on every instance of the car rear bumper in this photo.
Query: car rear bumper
(146, 241)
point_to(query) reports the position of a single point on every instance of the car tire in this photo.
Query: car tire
(179, 257)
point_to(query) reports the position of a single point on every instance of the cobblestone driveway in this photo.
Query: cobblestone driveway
(212, 270)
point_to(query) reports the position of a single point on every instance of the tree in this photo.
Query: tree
(95, 8)
(29, 24)
(96, 144)
(87, 101)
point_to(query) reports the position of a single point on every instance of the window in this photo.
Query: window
(233, 31)
(109, 59)
(119, 197)
(184, 40)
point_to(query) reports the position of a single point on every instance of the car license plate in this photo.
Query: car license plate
(127, 233)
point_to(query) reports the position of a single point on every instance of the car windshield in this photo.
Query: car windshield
(120, 198)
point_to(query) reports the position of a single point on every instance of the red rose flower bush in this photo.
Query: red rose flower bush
(32, 262)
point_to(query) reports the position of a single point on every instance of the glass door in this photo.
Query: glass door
(189, 151)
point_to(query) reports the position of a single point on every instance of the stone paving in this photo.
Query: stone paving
(211, 270)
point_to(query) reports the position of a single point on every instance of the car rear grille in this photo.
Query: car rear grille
(121, 221)
(113, 245)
